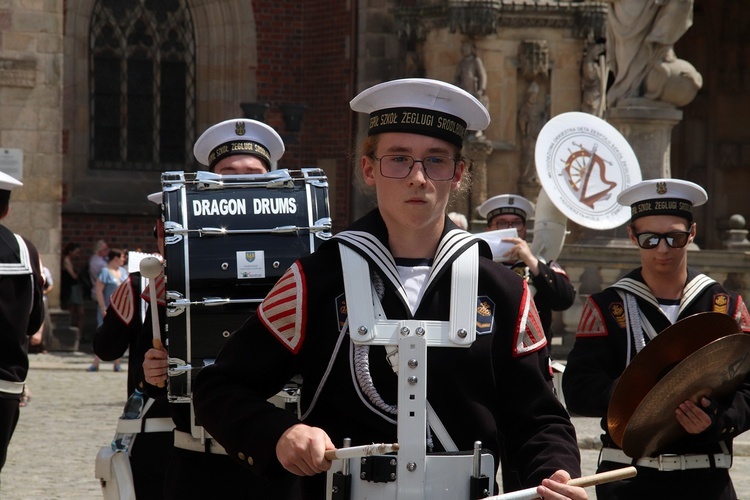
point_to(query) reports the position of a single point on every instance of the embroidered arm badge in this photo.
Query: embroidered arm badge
(283, 310)
(529, 336)
(742, 316)
(161, 291)
(122, 301)
(592, 324)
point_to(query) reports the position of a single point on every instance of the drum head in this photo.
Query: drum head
(583, 163)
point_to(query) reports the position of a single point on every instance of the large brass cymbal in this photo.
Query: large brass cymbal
(657, 358)
(713, 371)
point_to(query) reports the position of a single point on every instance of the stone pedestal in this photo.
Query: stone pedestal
(647, 126)
(64, 337)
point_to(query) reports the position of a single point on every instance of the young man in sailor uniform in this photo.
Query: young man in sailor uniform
(548, 282)
(618, 321)
(121, 331)
(21, 314)
(408, 247)
(201, 468)
(551, 285)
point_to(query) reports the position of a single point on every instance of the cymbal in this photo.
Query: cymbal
(714, 371)
(657, 358)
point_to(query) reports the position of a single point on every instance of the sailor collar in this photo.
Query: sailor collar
(369, 239)
(633, 283)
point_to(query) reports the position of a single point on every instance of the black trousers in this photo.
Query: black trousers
(148, 461)
(706, 484)
(9, 413)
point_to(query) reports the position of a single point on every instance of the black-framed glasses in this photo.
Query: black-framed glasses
(501, 224)
(674, 239)
(437, 168)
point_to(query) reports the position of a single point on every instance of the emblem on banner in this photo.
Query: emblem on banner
(583, 163)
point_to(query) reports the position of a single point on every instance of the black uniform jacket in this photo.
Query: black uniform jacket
(122, 330)
(497, 385)
(599, 355)
(21, 310)
(554, 292)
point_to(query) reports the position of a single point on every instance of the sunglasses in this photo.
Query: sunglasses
(674, 239)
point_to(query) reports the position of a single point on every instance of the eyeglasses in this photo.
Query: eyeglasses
(501, 224)
(674, 239)
(437, 168)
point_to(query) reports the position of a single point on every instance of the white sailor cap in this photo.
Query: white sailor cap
(238, 136)
(506, 204)
(7, 182)
(663, 197)
(421, 106)
(156, 197)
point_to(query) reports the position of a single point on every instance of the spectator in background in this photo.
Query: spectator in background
(71, 289)
(110, 277)
(39, 341)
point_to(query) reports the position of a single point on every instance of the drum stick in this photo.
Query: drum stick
(151, 268)
(583, 482)
(361, 451)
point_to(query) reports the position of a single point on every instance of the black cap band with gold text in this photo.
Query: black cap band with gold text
(418, 121)
(662, 206)
(506, 211)
(238, 148)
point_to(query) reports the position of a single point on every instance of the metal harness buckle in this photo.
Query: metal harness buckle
(665, 467)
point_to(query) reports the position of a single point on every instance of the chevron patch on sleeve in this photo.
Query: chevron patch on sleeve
(529, 333)
(283, 309)
(742, 316)
(161, 291)
(592, 324)
(122, 301)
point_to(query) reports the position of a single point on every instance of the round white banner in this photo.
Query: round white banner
(583, 163)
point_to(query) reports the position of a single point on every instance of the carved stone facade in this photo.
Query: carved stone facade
(532, 55)
(279, 53)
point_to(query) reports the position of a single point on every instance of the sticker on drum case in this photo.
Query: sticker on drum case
(251, 264)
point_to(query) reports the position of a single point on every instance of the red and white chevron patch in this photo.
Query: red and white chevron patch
(161, 291)
(122, 301)
(283, 309)
(529, 332)
(591, 323)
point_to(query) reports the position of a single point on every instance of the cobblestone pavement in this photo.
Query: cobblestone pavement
(72, 413)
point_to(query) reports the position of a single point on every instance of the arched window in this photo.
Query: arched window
(142, 85)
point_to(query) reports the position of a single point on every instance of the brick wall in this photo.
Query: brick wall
(125, 232)
(305, 56)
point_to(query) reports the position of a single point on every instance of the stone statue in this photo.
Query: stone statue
(592, 77)
(471, 75)
(640, 45)
(532, 116)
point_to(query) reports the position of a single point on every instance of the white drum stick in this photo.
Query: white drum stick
(361, 451)
(151, 268)
(583, 482)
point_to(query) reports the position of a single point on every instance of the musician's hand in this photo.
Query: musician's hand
(555, 488)
(301, 450)
(521, 251)
(692, 418)
(155, 366)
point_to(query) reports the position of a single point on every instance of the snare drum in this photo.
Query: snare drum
(228, 239)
